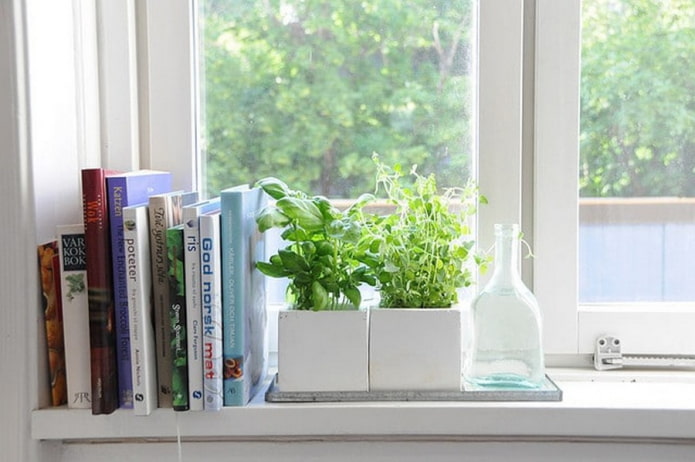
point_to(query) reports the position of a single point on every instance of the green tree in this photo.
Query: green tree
(307, 90)
(638, 98)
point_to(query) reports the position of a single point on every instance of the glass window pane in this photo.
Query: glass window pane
(307, 90)
(637, 151)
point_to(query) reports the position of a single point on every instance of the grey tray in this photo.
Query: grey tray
(548, 392)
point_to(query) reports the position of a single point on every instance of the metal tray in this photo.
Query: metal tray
(548, 392)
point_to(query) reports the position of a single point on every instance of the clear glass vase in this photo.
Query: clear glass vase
(506, 349)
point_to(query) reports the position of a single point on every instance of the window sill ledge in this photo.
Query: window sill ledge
(595, 407)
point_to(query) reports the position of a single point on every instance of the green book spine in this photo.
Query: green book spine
(177, 317)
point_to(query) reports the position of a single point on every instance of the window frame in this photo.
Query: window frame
(168, 141)
(573, 327)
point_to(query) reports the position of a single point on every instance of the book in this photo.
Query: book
(164, 211)
(125, 189)
(136, 237)
(49, 274)
(194, 321)
(177, 318)
(75, 306)
(211, 294)
(244, 316)
(102, 338)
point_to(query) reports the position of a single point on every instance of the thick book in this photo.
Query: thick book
(164, 212)
(73, 282)
(244, 317)
(136, 232)
(211, 293)
(177, 318)
(102, 320)
(49, 273)
(126, 189)
(194, 320)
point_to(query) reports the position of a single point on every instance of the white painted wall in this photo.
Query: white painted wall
(374, 451)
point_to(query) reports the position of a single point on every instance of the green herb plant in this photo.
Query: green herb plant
(423, 252)
(322, 260)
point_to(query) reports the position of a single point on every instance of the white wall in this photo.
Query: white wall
(19, 304)
(401, 451)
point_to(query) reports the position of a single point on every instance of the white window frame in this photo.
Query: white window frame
(168, 141)
(644, 328)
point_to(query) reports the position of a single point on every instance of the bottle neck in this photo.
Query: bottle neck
(506, 270)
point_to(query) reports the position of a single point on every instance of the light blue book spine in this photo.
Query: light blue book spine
(243, 294)
(211, 292)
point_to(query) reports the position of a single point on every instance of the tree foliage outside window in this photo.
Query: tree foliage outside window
(637, 98)
(307, 90)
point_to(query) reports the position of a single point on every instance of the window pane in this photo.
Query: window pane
(307, 90)
(637, 151)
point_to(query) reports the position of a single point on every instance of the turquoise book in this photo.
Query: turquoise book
(244, 318)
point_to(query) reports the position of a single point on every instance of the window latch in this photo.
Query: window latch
(607, 356)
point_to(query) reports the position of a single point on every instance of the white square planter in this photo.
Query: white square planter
(323, 350)
(415, 349)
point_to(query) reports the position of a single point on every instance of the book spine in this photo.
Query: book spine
(73, 270)
(117, 190)
(49, 270)
(159, 213)
(164, 212)
(243, 298)
(177, 317)
(191, 236)
(211, 280)
(99, 292)
(139, 285)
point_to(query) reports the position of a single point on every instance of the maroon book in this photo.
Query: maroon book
(102, 335)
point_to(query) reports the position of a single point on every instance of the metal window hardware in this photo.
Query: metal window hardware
(607, 355)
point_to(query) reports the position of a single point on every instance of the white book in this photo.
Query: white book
(139, 288)
(211, 292)
(73, 282)
(194, 319)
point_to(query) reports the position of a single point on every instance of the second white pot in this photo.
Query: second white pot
(415, 349)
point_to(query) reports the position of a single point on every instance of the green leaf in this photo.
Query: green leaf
(303, 211)
(319, 296)
(271, 270)
(293, 262)
(275, 188)
(271, 217)
(353, 294)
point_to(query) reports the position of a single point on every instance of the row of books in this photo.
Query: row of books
(155, 299)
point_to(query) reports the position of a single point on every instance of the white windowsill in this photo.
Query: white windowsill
(613, 406)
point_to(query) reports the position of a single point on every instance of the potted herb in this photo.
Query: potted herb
(323, 335)
(422, 254)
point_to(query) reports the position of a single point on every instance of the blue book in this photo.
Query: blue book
(126, 189)
(244, 317)
(194, 319)
(211, 292)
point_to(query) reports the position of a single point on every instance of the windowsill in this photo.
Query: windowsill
(613, 406)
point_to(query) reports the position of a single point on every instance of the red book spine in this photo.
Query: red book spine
(102, 338)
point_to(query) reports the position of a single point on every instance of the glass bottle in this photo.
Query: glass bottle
(506, 349)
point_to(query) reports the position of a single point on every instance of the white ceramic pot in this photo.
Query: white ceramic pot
(415, 349)
(323, 350)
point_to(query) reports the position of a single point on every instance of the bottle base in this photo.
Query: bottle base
(504, 381)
